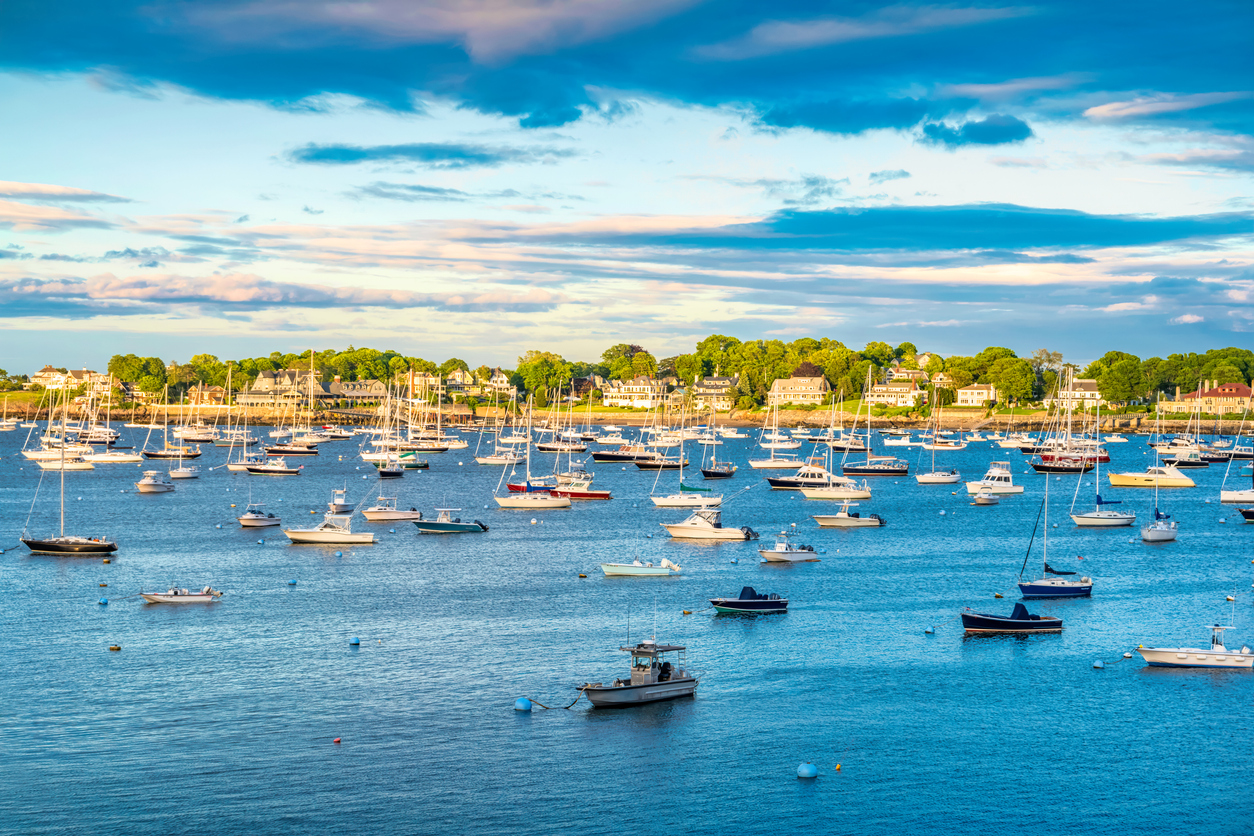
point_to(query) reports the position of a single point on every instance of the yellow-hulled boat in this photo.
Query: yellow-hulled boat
(1164, 476)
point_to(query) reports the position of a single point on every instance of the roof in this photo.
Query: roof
(983, 387)
(1223, 390)
(798, 383)
(652, 649)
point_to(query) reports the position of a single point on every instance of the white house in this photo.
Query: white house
(714, 392)
(896, 393)
(977, 394)
(797, 390)
(1081, 394)
(638, 393)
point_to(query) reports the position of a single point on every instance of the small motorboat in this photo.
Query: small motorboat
(339, 503)
(154, 481)
(255, 516)
(810, 475)
(273, 467)
(997, 480)
(334, 529)
(1164, 476)
(385, 509)
(707, 524)
(1019, 621)
(986, 497)
(654, 677)
(446, 523)
(663, 569)
(785, 551)
(844, 518)
(751, 601)
(182, 596)
(190, 471)
(1216, 656)
(1187, 459)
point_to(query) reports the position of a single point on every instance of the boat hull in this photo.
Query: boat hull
(974, 622)
(734, 605)
(258, 522)
(835, 493)
(157, 488)
(70, 545)
(837, 521)
(1055, 588)
(774, 464)
(938, 478)
(533, 501)
(581, 495)
(1103, 520)
(630, 569)
(434, 527)
(1194, 657)
(312, 536)
(691, 532)
(190, 598)
(627, 695)
(1140, 480)
(684, 501)
(1236, 497)
(390, 514)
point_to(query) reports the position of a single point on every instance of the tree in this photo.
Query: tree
(483, 374)
(1043, 359)
(934, 365)
(1014, 379)
(689, 367)
(1123, 381)
(807, 369)
(620, 351)
(904, 350)
(879, 353)
(450, 364)
(643, 364)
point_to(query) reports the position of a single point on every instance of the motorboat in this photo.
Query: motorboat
(446, 523)
(877, 466)
(69, 544)
(190, 471)
(154, 481)
(274, 467)
(997, 480)
(939, 477)
(245, 462)
(1160, 476)
(175, 595)
(113, 457)
(66, 463)
(986, 497)
(751, 601)
(636, 568)
(707, 524)
(339, 503)
(840, 491)
(385, 509)
(658, 672)
(1186, 460)
(334, 529)
(580, 489)
(786, 551)
(812, 474)
(1019, 621)
(1216, 656)
(535, 501)
(844, 518)
(1114, 439)
(255, 516)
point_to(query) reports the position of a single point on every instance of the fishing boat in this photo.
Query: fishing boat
(385, 509)
(339, 503)
(273, 467)
(844, 518)
(654, 677)
(1019, 621)
(1157, 476)
(997, 480)
(334, 529)
(446, 523)
(786, 551)
(752, 602)
(154, 481)
(707, 524)
(255, 516)
(1216, 656)
(174, 595)
(638, 569)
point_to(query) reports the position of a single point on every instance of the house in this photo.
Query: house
(131, 393)
(50, 378)
(714, 392)
(798, 390)
(943, 380)
(1211, 398)
(923, 359)
(1081, 394)
(202, 395)
(638, 393)
(977, 394)
(896, 393)
(499, 384)
(353, 392)
(910, 374)
(282, 387)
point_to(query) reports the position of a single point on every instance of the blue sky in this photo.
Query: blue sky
(481, 177)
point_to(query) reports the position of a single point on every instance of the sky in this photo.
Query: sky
(476, 178)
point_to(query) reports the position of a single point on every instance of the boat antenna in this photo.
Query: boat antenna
(1033, 537)
(655, 616)
(629, 622)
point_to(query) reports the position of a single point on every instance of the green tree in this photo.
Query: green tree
(1014, 379)
(446, 368)
(905, 350)
(643, 364)
(1123, 381)
(879, 353)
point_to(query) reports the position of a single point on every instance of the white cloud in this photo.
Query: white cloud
(1187, 319)
(1013, 88)
(1159, 103)
(47, 192)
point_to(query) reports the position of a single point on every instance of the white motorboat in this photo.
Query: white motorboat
(246, 462)
(273, 466)
(190, 471)
(339, 503)
(67, 463)
(154, 481)
(986, 498)
(182, 596)
(1115, 439)
(385, 509)
(334, 529)
(844, 518)
(534, 501)
(114, 457)
(255, 517)
(786, 551)
(997, 480)
(612, 438)
(654, 677)
(1216, 656)
(665, 568)
(939, 477)
(707, 524)
(731, 432)
(848, 489)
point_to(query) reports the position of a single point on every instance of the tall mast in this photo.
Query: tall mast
(64, 409)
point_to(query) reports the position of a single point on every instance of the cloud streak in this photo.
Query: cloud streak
(437, 155)
(55, 194)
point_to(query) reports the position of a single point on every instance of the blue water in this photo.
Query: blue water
(221, 718)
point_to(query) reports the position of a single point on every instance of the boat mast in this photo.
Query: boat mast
(64, 409)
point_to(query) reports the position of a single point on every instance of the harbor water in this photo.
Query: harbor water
(223, 717)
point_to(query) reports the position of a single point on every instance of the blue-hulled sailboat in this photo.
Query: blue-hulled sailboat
(1052, 583)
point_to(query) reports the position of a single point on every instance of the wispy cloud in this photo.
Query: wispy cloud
(776, 36)
(1159, 103)
(26, 218)
(417, 193)
(886, 175)
(55, 194)
(428, 154)
(1012, 89)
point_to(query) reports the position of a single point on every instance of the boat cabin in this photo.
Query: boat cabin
(652, 663)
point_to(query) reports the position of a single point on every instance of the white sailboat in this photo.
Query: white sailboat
(1101, 516)
(528, 500)
(950, 476)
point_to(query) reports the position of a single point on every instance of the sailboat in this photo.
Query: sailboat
(180, 452)
(7, 426)
(1161, 529)
(536, 500)
(715, 469)
(67, 543)
(1053, 583)
(1099, 517)
(787, 461)
(874, 465)
(934, 476)
(687, 496)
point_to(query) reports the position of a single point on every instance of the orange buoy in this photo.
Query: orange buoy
(838, 767)
(337, 740)
(115, 647)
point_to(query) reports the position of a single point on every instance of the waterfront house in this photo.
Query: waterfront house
(798, 390)
(1211, 398)
(714, 392)
(977, 394)
(1081, 394)
(943, 380)
(916, 375)
(896, 393)
(203, 395)
(640, 392)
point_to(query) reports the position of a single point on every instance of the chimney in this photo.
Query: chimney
(1177, 393)
(337, 378)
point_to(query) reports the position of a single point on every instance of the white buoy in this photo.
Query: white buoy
(942, 513)
(219, 525)
(533, 520)
(1128, 655)
(807, 770)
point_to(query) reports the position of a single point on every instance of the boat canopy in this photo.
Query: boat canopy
(1158, 515)
(1020, 612)
(1101, 501)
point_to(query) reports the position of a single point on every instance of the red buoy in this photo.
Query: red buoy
(337, 740)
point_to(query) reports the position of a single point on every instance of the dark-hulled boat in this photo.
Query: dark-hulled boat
(719, 471)
(292, 450)
(173, 453)
(626, 453)
(1064, 464)
(1247, 513)
(69, 544)
(662, 463)
(751, 601)
(877, 467)
(1019, 621)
